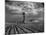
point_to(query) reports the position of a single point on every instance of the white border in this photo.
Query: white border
(30, 0)
(2, 17)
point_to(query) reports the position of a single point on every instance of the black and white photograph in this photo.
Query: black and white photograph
(24, 17)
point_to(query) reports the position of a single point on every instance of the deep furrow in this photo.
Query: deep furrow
(8, 31)
(20, 31)
(12, 31)
(17, 31)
